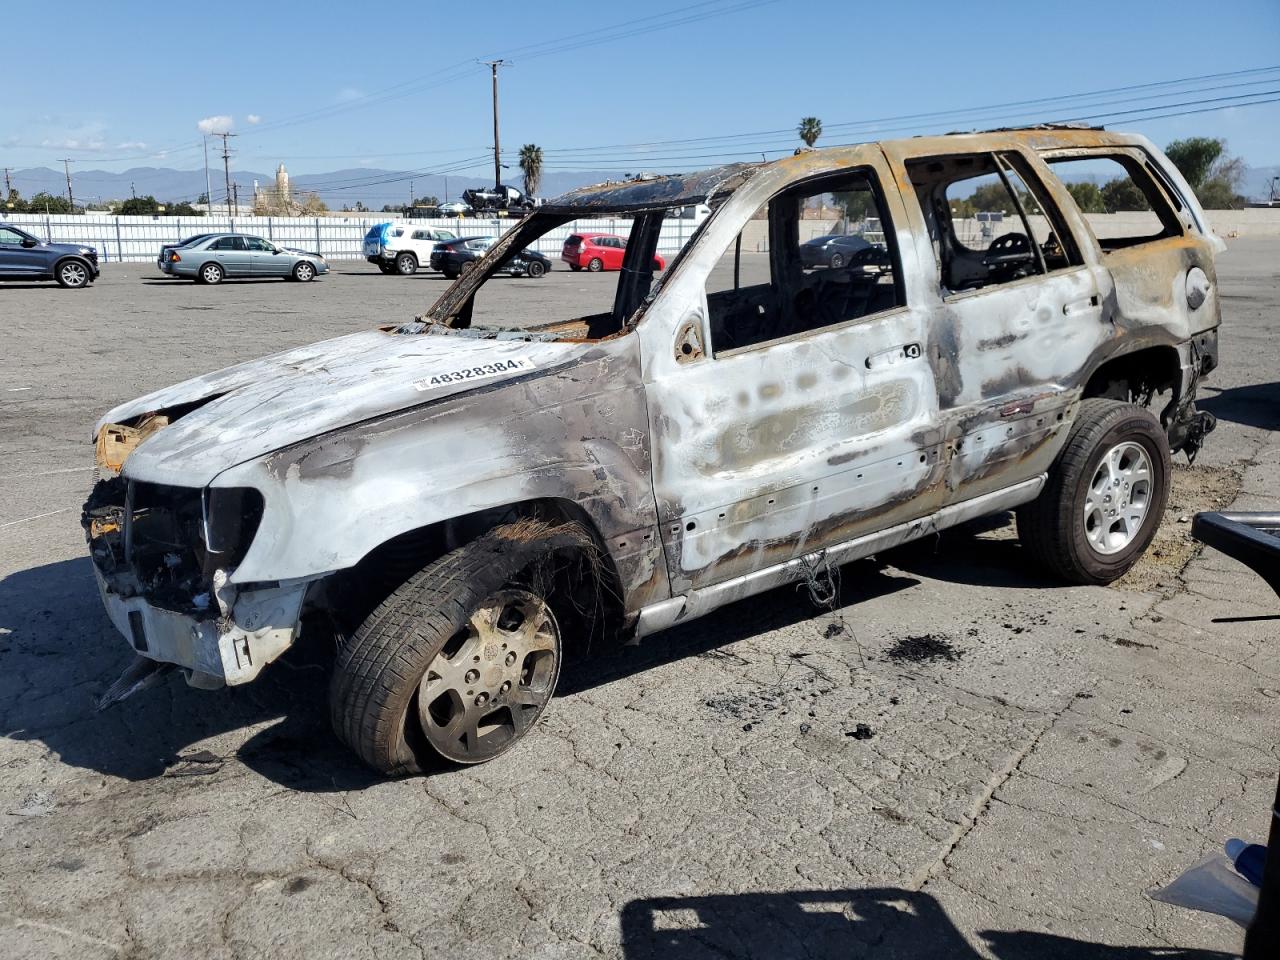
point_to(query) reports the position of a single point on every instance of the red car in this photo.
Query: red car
(598, 251)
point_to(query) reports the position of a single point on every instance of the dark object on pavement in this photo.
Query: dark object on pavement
(1254, 540)
(861, 732)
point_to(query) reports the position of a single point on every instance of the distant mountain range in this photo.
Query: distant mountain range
(372, 186)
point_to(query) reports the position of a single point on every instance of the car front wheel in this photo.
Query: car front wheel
(304, 272)
(535, 268)
(1105, 495)
(461, 660)
(72, 274)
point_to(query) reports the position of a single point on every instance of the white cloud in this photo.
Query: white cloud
(347, 94)
(253, 119)
(73, 143)
(131, 145)
(217, 124)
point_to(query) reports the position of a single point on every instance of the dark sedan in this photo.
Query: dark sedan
(455, 257)
(832, 251)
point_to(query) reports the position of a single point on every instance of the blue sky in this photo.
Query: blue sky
(325, 86)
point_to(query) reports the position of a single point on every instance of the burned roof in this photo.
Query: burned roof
(654, 193)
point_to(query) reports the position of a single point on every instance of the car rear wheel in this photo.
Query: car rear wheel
(386, 268)
(575, 267)
(461, 660)
(1105, 496)
(210, 273)
(595, 265)
(535, 268)
(304, 272)
(406, 264)
(72, 274)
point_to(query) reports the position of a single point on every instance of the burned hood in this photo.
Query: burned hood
(243, 412)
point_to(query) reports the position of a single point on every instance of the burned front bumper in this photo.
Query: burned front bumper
(164, 557)
(229, 648)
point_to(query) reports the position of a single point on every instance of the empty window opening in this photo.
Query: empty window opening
(817, 255)
(990, 219)
(1122, 185)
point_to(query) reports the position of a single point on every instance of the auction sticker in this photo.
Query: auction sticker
(481, 371)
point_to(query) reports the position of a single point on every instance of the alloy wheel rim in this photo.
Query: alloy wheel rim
(1118, 498)
(211, 274)
(73, 273)
(304, 272)
(491, 681)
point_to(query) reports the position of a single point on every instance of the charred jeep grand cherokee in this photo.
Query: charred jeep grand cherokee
(464, 497)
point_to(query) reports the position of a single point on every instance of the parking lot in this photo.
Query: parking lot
(974, 761)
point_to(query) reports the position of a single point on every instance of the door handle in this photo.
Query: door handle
(1079, 306)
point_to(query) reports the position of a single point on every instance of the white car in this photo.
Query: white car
(401, 248)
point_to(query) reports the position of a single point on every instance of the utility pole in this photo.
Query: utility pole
(226, 165)
(8, 185)
(208, 190)
(66, 165)
(132, 192)
(235, 199)
(411, 193)
(493, 66)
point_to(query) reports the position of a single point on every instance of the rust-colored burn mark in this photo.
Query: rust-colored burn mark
(116, 440)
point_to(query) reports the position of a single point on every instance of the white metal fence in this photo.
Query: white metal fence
(138, 239)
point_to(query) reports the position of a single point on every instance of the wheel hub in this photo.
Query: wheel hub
(490, 682)
(1118, 498)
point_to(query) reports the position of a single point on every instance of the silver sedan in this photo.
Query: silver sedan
(225, 255)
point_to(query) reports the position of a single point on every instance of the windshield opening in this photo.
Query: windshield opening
(560, 277)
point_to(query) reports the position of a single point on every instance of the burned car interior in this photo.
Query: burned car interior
(792, 297)
(1038, 247)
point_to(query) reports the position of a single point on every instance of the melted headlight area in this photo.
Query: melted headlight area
(165, 543)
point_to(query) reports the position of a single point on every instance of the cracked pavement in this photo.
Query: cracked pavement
(1033, 758)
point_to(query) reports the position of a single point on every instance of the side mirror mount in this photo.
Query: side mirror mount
(30, 242)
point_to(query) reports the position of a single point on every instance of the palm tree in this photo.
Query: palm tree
(531, 166)
(810, 130)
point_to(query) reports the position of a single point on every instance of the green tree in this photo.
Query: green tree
(428, 201)
(43, 201)
(139, 207)
(1195, 156)
(992, 197)
(1219, 193)
(1123, 194)
(531, 167)
(809, 130)
(15, 203)
(182, 209)
(1087, 196)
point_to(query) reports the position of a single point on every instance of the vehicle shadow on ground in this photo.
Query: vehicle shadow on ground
(783, 607)
(880, 923)
(1256, 405)
(963, 554)
(60, 652)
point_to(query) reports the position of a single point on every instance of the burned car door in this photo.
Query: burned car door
(791, 405)
(1019, 314)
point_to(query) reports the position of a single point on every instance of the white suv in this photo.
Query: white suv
(401, 247)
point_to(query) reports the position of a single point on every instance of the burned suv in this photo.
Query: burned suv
(464, 498)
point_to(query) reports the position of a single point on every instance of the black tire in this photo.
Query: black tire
(304, 272)
(535, 268)
(374, 694)
(837, 261)
(466, 266)
(210, 273)
(1053, 527)
(386, 268)
(72, 274)
(450, 273)
(595, 265)
(406, 264)
(575, 267)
